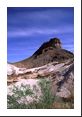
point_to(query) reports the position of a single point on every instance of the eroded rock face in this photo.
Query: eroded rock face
(63, 83)
(13, 70)
(61, 76)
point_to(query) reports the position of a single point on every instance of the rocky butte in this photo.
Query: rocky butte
(50, 62)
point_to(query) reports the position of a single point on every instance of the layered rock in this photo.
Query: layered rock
(60, 74)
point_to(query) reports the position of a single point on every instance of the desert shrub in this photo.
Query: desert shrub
(47, 98)
(45, 101)
(18, 93)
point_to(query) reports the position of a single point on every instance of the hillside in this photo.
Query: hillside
(48, 52)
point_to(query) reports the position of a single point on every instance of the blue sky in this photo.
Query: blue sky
(29, 27)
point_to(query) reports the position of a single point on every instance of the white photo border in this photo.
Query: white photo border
(77, 57)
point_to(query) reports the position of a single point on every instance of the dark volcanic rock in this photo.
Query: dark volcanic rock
(55, 43)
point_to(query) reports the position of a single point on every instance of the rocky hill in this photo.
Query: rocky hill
(49, 62)
(48, 52)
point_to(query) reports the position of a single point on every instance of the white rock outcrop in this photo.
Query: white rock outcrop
(60, 74)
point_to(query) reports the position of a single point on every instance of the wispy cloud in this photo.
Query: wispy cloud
(44, 31)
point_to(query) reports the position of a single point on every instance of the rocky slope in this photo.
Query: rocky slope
(48, 52)
(60, 74)
(49, 62)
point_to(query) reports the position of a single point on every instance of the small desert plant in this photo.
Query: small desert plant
(47, 98)
(45, 101)
(18, 93)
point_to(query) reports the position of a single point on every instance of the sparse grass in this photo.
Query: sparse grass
(46, 100)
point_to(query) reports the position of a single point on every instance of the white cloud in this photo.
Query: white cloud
(44, 31)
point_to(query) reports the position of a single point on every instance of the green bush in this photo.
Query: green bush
(45, 101)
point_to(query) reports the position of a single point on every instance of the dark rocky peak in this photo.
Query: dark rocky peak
(55, 42)
(52, 43)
